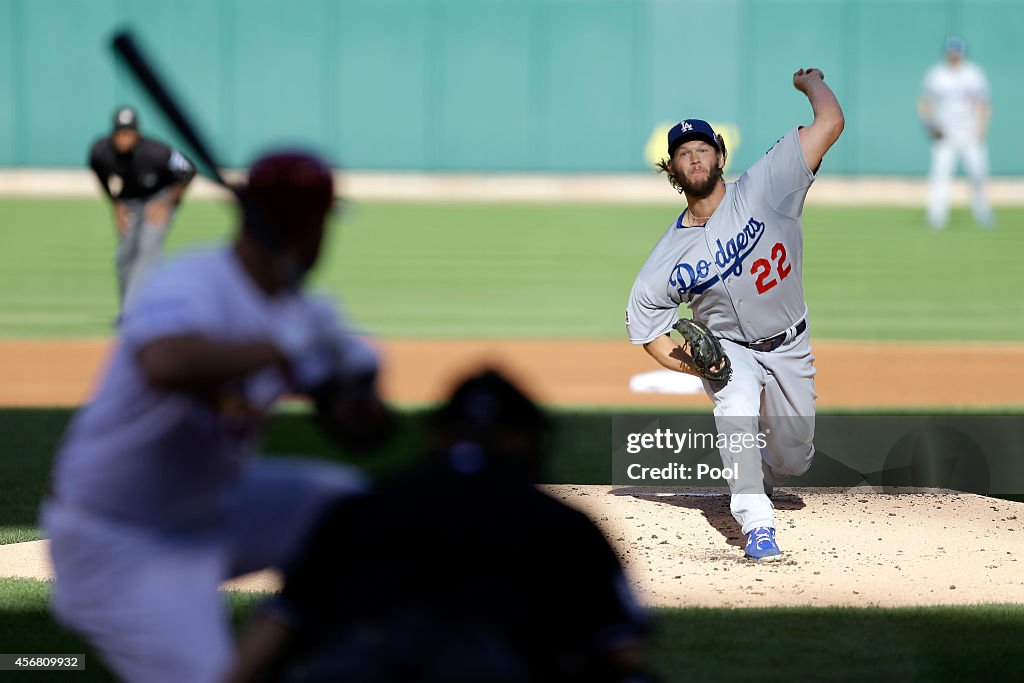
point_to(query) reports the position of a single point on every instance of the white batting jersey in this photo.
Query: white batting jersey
(146, 454)
(955, 92)
(742, 273)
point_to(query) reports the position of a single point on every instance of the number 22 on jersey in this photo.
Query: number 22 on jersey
(762, 268)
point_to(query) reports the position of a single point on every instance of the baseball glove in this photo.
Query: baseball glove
(709, 358)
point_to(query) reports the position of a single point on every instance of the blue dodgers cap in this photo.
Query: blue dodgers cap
(691, 129)
(956, 45)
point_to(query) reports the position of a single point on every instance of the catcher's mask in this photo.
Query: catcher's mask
(490, 417)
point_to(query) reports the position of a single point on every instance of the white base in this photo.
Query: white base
(665, 382)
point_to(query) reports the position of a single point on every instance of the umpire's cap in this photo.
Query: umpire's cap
(125, 118)
(691, 129)
(287, 190)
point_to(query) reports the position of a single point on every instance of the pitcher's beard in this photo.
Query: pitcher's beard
(703, 188)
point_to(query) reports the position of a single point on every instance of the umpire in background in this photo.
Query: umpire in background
(144, 180)
(459, 570)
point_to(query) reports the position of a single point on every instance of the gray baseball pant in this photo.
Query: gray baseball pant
(140, 249)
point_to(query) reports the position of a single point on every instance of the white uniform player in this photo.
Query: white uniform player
(734, 257)
(955, 106)
(155, 496)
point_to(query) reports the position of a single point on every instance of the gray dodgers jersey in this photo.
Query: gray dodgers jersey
(741, 274)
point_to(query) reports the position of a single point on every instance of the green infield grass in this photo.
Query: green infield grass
(538, 271)
(791, 644)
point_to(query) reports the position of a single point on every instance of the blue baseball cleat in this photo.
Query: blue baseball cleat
(761, 545)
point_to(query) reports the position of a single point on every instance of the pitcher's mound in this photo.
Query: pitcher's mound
(857, 547)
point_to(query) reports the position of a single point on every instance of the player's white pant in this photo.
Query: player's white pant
(945, 153)
(148, 601)
(770, 393)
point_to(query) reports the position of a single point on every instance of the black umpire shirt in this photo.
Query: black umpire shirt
(148, 168)
(484, 546)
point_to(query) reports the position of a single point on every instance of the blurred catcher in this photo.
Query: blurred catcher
(144, 180)
(465, 572)
(155, 496)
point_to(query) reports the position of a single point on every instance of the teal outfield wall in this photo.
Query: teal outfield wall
(520, 85)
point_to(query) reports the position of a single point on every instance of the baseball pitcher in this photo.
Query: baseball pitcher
(734, 258)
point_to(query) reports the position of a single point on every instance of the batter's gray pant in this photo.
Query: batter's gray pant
(140, 248)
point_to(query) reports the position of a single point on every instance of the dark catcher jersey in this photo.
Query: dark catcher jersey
(150, 167)
(484, 546)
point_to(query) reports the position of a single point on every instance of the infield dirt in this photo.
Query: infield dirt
(850, 374)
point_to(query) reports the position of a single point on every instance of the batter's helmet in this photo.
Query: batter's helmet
(287, 191)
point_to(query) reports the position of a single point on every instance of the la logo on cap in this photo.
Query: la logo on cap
(685, 126)
(125, 116)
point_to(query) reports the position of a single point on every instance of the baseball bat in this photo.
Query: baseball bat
(127, 48)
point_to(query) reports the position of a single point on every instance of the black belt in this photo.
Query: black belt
(772, 343)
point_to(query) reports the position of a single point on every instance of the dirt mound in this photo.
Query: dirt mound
(853, 547)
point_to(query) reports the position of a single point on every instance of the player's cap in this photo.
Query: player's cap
(955, 45)
(691, 129)
(289, 188)
(126, 118)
